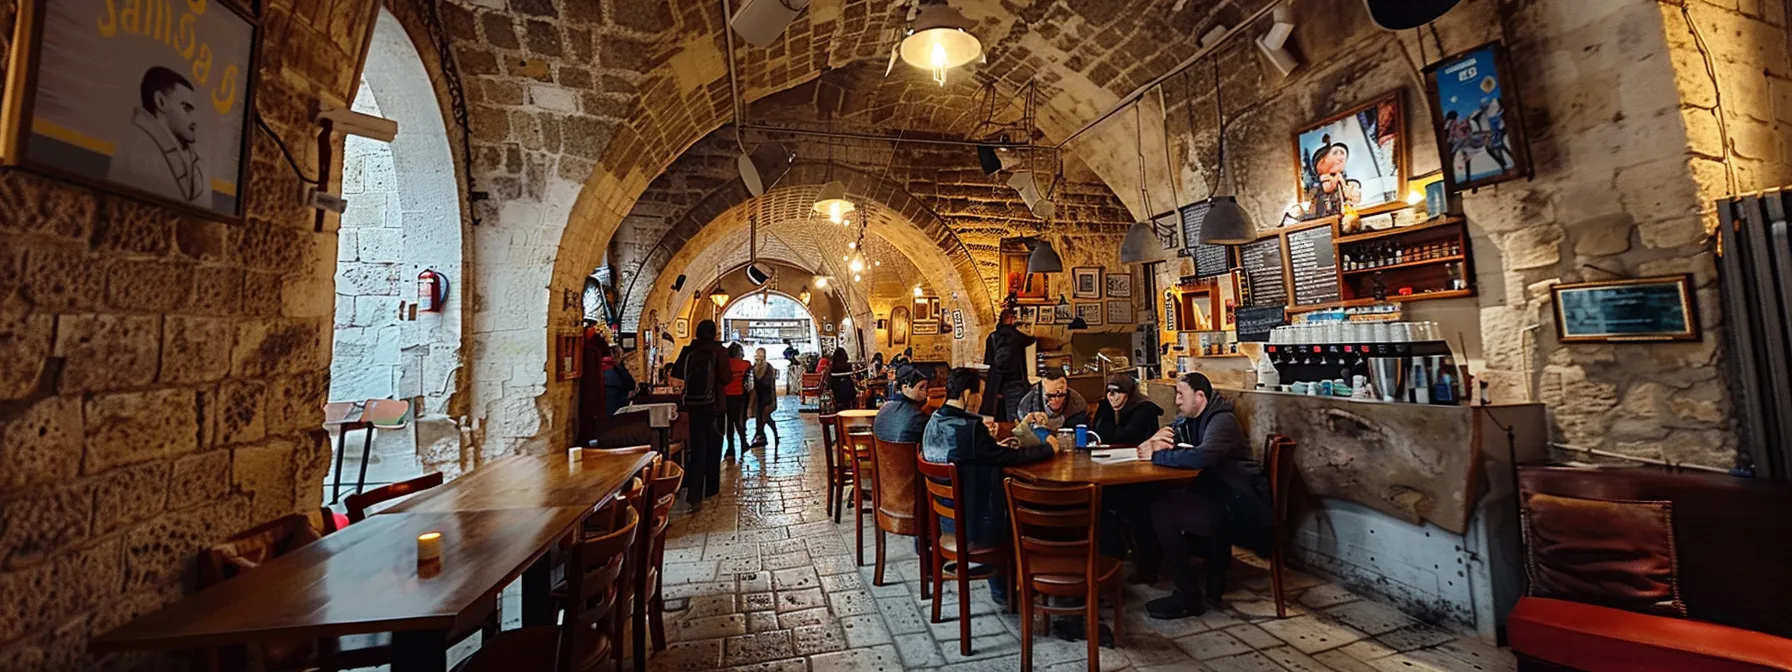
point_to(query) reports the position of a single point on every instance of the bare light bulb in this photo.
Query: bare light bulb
(855, 277)
(834, 213)
(939, 61)
(857, 265)
(852, 246)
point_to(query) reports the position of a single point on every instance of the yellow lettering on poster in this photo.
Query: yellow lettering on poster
(109, 23)
(129, 17)
(158, 20)
(186, 40)
(198, 6)
(202, 66)
(224, 97)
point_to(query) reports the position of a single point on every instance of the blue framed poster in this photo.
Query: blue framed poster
(1477, 118)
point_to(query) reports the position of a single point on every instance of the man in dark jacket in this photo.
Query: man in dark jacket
(703, 366)
(963, 438)
(1125, 417)
(1005, 351)
(1052, 404)
(901, 419)
(1227, 504)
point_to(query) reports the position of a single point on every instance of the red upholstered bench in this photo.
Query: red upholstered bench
(1733, 542)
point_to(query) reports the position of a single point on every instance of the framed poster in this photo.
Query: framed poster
(1119, 312)
(1660, 308)
(1085, 282)
(1028, 314)
(1033, 288)
(1120, 285)
(1090, 312)
(927, 327)
(681, 328)
(899, 326)
(1355, 159)
(151, 105)
(927, 308)
(1063, 313)
(1047, 316)
(1476, 116)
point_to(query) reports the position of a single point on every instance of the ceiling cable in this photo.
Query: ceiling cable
(738, 108)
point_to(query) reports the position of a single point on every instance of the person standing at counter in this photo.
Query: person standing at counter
(1125, 417)
(1053, 405)
(1005, 351)
(703, 366)
(1227, 504)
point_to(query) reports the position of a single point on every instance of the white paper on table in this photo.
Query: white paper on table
(1116, 456)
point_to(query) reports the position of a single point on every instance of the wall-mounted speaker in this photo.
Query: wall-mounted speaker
(1405, 14)
(760, 22)
(757, 274)
(679, 283)
(764, 166)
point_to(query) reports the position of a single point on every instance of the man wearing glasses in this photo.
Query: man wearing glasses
(1053, 405)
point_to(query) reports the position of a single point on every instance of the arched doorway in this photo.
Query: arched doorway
(772, 320)
(403, 219)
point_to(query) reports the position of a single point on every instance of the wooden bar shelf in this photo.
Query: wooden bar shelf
(1407, 264)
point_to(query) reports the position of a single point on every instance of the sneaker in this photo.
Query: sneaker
(1175, 606)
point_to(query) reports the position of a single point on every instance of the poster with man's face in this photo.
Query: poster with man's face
(146, 97)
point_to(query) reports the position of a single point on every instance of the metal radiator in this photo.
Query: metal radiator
(1755, 275)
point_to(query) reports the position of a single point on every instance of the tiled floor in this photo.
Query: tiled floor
(763, 580)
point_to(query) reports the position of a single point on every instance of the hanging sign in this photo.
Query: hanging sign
(957, 325)
(1169, 321)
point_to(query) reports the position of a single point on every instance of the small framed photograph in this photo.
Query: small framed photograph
(1353, 160)
(1063, 313)
(117, 100)
(1661, 308)
(1085, 282)
(627, 341)
(1475, 114)
(681, 328)
(1047, 316)
(1120, 285)
(1028, 314)
(927, 327)
(1119, 312)
(1090, 312)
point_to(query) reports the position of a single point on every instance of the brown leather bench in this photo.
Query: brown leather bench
(1732, 539)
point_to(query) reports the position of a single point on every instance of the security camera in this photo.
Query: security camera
(355, 123)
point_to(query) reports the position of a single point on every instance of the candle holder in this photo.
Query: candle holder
(429, 554)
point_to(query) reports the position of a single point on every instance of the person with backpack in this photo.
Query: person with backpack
(704, 368)
(1005, 352)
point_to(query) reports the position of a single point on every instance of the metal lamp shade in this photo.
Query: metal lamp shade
(763, 167)
(940, 39)
(1141, 245)
(719, 297)
(1079, 324)
(832, 201)
(1226, 223)
(1044, 259)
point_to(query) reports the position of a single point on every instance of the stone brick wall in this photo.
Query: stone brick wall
(160, 375)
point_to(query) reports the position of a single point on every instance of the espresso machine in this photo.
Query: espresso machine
(1413, 372)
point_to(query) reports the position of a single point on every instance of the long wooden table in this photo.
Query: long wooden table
(497, 523)
(1076, 466)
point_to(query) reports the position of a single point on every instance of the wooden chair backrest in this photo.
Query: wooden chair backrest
(829, 425)
(893, 482)
(594, 579)
(1059, 520)
(1278, 461)
(387, 413)
(941, 484)
(359, 503)
(254, 547)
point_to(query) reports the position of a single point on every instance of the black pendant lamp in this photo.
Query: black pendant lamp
(1226, 223)
(1142, 244)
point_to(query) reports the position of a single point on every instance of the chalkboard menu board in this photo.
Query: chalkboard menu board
(1314, 266)
(1255, 323)
(1262, 263)
(1210, 260)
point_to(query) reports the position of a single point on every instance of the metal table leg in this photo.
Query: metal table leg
(420, 651)
(538, 581)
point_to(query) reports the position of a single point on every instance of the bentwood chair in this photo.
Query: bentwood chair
(585, 638)
(1056, 547)
(856, 451)
(667, 477)
(896, 501)
(839, 474)
(1278, 456)
(631, 502)
(953, 556)
(358, 503)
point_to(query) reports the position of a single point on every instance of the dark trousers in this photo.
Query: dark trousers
(764, 417)
(737, 420)
(1128, 522)
(1183, 511)
(703, 463)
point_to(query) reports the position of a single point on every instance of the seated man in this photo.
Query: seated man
(1227, 504)
(1053, 405)
(901, 418)
(968, 440)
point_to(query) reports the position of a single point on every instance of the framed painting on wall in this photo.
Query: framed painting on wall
(1027, 288)
(1119, 284)
(1661, 308)
(899, 326)
(120, 100)
(1028, 314)
(1090, 312)
(1085, 282)
(681, 328)
(1119, 312)
(1476, 116)
(1063, 313)
(1047, 316)
(927, 327)
(1353, 160)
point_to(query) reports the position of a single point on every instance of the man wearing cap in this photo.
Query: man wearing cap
(1227, 504)
(902, 419)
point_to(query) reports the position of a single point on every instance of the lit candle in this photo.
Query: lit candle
(429, 547)
(575, 453)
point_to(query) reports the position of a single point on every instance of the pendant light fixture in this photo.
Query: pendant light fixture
(1226, 222)
(1141, 244)
(719, 296)
(1044, 259)
(832, 201)
(938, 40)
(804, 295)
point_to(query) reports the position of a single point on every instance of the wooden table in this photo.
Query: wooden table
(1076, 467)
(364, 579)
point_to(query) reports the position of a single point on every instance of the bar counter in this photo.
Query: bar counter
(1410, 503)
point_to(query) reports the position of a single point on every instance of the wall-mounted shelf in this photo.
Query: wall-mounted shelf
(1440, 222)
(1407, 264)
(1392, 298)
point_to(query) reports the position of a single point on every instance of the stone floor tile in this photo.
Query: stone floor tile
(754, 582)
(759, 601)
(795, 579)
(819, 638)
(1147, 649)
(919, 651)
(1423, 660)
(852, 603)
(834, 564)
(762, 621)
(1340, 661)
(708, 605)
(1415, 636)
(1310, 634)
(834, 583)
(1173, 628)
(713, 627)
(698, 656)
(759, 647)
(865, 630)
(689, 572)
(1482, 656)
(875, 659)
(1257, 610)
(1218, 619)
(692, 590)
(792, 665)
(794, 600)
(788, 561)
(745, 565)
(1256, 637)
(1213, 644)
(1292, 659)
(1111, 661)
(983, 647)
(797, 619)
(1325, 595)
(1371, 617)
(947, 629)
(903, 616)
(1244, 662)
(1368, 649)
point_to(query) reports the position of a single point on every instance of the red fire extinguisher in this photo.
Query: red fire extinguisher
(432, 288)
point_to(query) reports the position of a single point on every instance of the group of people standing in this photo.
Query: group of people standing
(721, 391)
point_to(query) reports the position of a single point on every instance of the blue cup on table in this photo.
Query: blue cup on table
(1042, 433)
(1082, 436)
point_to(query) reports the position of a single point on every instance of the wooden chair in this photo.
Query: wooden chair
(1278, 458)
(667, 477)
(358, 503)
(1056, 540)
(376, 414)
(585, 638)
(812, 387)
(897, 501)
(839, 471)
(856, 452)
(344, 417)
(953, 555)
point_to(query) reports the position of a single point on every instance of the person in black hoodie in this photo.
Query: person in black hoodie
(1125, 416)
(963, 438)
(1227, 504)
(1005, 351)
(703, 366)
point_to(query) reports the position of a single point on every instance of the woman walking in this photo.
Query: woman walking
(736, 393)
(764, 397)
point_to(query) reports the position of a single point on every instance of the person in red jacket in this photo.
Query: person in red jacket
(736, 392)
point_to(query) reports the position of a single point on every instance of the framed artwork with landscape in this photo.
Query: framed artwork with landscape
(1353, 160)
(1475, 114)
(154, 106)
